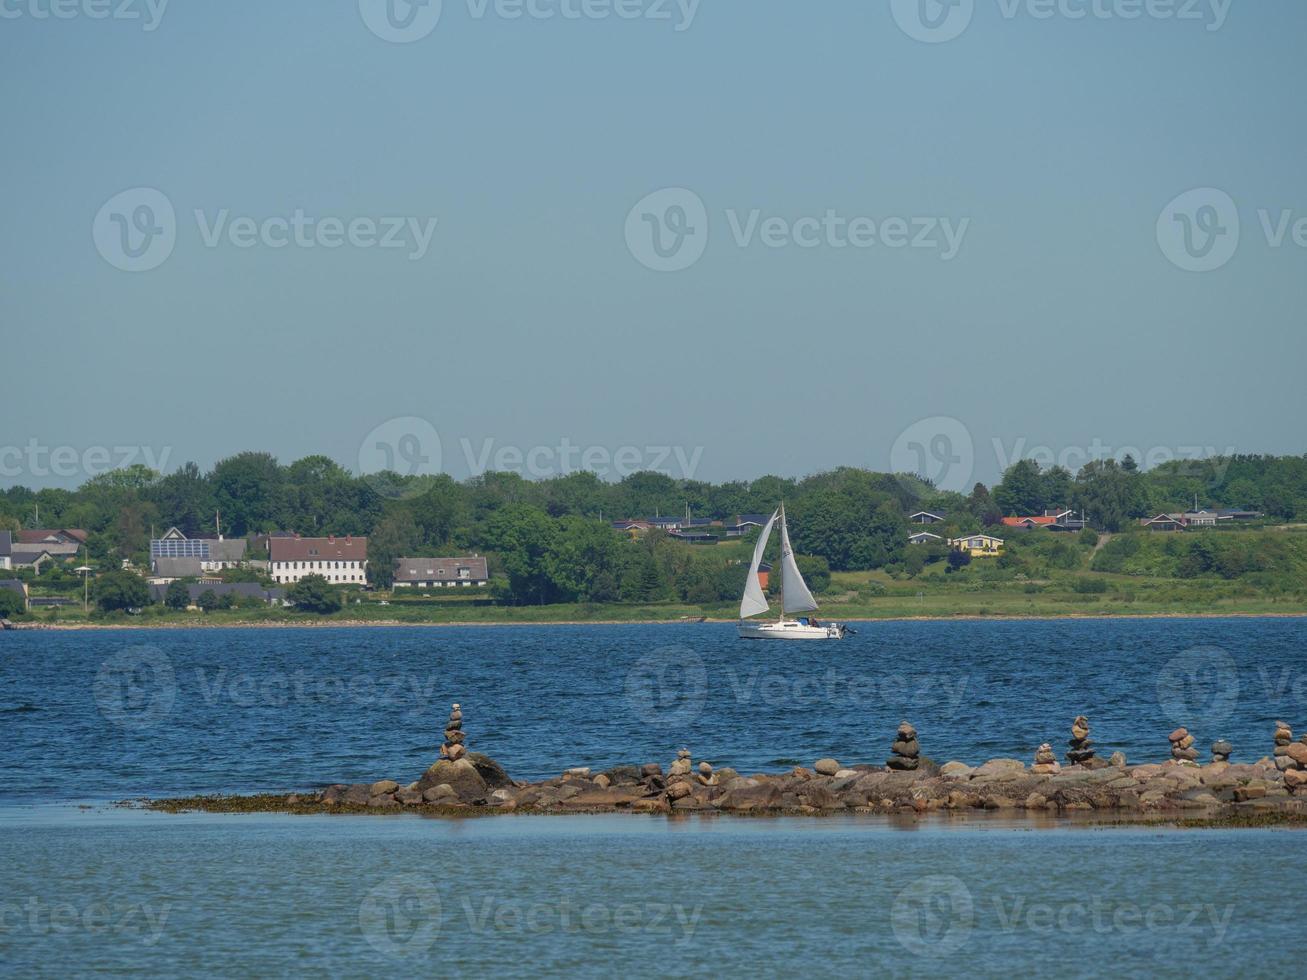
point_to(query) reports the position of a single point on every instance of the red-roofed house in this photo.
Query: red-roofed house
(339, 560)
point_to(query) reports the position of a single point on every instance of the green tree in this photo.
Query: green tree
(177, 596)
(121, 590)
(1021, 491)
(11, 604)
(523, 537)
(313, 593)
(208, 600)
(395, 537)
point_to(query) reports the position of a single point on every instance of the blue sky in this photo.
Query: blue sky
(1066, 312)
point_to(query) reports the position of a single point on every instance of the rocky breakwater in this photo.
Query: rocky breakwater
(908, 783)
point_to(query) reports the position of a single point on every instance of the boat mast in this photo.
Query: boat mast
(780, 566)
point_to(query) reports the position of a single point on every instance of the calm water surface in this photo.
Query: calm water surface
(103, 716)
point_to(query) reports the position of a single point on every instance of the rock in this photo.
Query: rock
(409, 797)
(623, 774)
(460, 775)
(1295, 780)
(1177, 735)
(955, 770)
(677, 791)
(602, 781)
(491, 772)
(382, 801)
(357, 794)
(1298, 753)
(434, 794)
(333, 794)
(829, 767)
(651, 769)
(902, 764)
(909, 750)
(383, 787)
(1117, 759)
(999, 768)
(579, 771)
(1036, 801)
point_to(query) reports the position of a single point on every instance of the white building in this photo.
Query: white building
(439, 573)
(341, 561)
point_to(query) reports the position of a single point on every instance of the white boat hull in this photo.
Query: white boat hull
(789, 630)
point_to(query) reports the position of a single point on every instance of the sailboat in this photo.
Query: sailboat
(795, 597)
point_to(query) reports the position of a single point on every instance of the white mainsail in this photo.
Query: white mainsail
(754, 601)
(795, 596)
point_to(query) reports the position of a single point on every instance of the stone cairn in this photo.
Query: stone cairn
(1283, 738)
(1221, 750)
(1045, 761)
(1182, 746)
(1081, 745)
(906, 751)
(682, 765)
(453, 748)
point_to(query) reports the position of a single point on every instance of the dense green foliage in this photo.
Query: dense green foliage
(11, 604)
(121, 590)
(312, 593)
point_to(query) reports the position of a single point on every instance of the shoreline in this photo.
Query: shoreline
(464, 624)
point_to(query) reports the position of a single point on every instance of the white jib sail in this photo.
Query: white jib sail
(795, 596)
(754, 601)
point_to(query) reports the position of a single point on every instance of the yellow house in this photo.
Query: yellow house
(978, 545)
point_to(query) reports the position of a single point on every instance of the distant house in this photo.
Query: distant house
(53, 535)
(928, 517)
(338, 560)
(977, 545)
(166, 570)
(1201, 518)
(694, 537)
(1164, 522)
(1028, 523)
(666, 523)
(1053, 519)
(923, 537)
(1238, 514)
(742, 524)
(764, 575)
(213, 554)
(35, 548)
(632, 529)
(272, 597)
(441, 573)
(13, 585)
